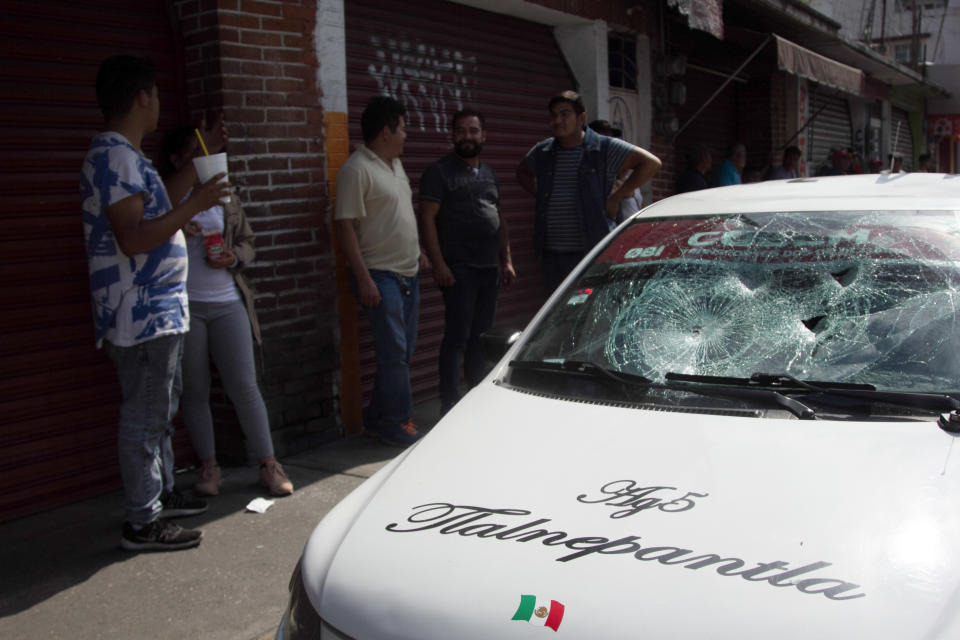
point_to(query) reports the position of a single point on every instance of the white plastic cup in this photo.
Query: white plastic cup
(209, 166)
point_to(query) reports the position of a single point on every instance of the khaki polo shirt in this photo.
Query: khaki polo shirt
(378, 199)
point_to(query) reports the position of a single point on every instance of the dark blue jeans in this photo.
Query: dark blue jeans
(555, 266)
(394, 325)
(470, 305)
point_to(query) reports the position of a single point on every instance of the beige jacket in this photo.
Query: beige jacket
(238, 239)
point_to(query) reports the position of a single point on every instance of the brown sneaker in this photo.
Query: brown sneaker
(208, 484)
(274, 479)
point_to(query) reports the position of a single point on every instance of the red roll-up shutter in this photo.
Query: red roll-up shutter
(436, 57)
(59, 400)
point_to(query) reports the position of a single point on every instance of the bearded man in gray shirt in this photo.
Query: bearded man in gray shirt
(465, 236)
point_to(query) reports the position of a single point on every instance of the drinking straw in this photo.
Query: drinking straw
(202, 146)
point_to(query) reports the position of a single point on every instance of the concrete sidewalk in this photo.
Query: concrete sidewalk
(63, 575)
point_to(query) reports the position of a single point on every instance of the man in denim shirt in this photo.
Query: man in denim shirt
(571, 175)
(137, 260)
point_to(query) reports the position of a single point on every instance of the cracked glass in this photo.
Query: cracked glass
(867, 297)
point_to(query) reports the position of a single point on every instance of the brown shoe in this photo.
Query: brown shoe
(209, 482)
(274, 479)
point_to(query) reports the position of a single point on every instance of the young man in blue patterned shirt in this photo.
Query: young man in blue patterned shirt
(138, 267)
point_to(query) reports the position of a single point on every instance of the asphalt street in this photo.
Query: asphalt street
(64, 575)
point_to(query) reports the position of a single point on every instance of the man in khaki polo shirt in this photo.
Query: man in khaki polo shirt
(377, 228)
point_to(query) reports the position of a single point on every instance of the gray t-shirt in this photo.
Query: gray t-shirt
(468, 223)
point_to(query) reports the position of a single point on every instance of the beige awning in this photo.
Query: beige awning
(808, 64)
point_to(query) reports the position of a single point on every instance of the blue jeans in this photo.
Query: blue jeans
(150, 384)
(469, 307)
(394, 325)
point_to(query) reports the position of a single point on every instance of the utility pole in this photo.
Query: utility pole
(915, 37)
(867, 33)
(883, 26)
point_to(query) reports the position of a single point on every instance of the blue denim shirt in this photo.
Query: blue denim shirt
(593, 188)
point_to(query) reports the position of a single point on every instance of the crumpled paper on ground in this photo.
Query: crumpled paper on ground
(259, 505)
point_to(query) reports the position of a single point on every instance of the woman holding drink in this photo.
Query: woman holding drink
(223, 324)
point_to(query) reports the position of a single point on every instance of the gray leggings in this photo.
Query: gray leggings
(224, 329)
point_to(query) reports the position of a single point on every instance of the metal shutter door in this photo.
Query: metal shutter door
(60, 399)
(435, 56)
(831, 128)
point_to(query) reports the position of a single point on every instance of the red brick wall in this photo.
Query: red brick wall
(255, 60)
(673, 163)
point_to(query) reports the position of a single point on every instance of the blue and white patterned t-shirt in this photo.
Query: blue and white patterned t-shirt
(134, 298)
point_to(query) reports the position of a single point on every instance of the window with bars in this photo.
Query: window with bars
(903, 53)
(622, 61)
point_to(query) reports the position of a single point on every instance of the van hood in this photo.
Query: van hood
(628, 522)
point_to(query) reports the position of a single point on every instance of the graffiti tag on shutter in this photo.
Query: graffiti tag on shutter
(431, 82)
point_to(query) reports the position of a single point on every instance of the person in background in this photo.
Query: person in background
(466, 238)
(752, 174)
(572, 174)
(926, 163)
(856, 163)
(137, 260)
(894, 164)
(377, 228)
(223, 326)
(694, 177)
(729, 171)
(840, 162)
(633, 202)
(604, 128)
(789, 169)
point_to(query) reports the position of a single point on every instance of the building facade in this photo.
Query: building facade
(923, 37)
(292, 77)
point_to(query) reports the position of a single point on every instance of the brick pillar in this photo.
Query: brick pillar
(663, 183)
(255, 61)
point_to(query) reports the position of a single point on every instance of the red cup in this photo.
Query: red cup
(214, 243)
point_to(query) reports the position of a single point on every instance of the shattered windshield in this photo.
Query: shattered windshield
(865, 297)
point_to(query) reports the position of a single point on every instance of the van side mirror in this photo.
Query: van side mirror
(496, 342)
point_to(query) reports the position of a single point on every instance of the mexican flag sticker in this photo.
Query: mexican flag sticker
(540, 612)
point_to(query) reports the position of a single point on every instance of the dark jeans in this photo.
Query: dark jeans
(470, 305)
(556, 265)
(394, 325)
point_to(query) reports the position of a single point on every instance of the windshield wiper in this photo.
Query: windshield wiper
(585, 368)
(581, 367)
(593, 370)
(769, 380)
(867, 392)
(740, 388)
